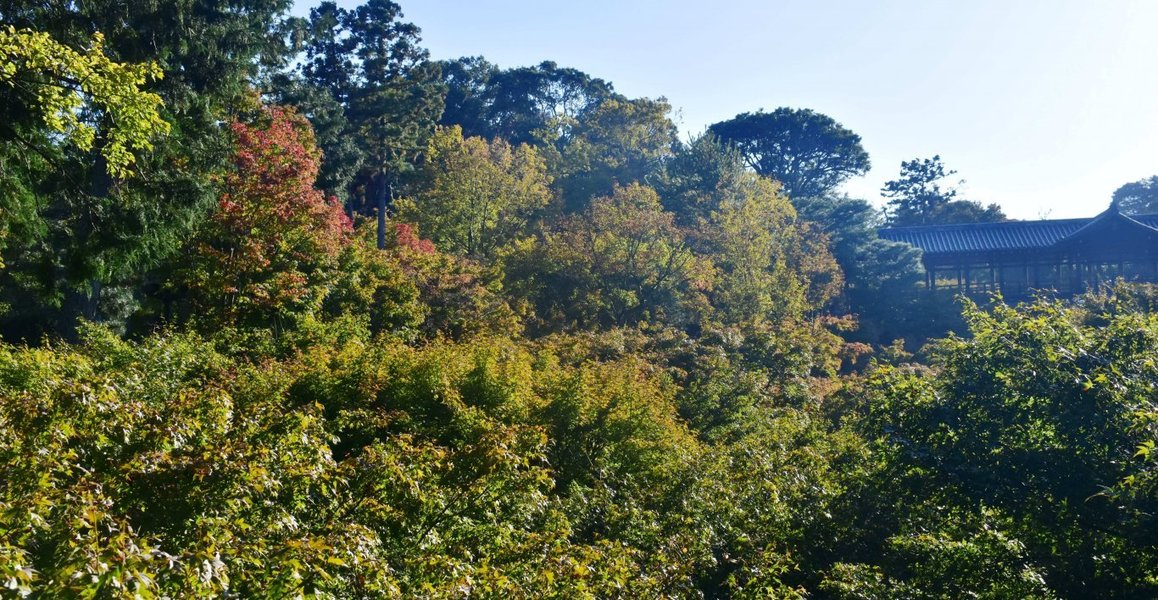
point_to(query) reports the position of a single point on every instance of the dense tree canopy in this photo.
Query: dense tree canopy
(83, 239)
(619, 142)
(1039, 429)
(576, 357)
(521, 105)
(267, 252)
(592, 137)
(51, 95)
(879, 275)
(475, 196)
(364, 74)
(621, 261)
(63, 86)
(807, 152)
(1138, 197)
(697, 175)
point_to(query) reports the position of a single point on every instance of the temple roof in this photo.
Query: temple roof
(1015, 235)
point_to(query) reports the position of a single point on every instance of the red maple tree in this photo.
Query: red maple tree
(269, 249)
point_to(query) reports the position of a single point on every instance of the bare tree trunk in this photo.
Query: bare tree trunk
(92, 306)
(383, 193)
(100, 182)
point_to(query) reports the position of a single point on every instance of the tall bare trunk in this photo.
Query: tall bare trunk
(383, 193)
(385, 196)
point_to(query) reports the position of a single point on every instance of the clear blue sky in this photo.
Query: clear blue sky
(1044, 107)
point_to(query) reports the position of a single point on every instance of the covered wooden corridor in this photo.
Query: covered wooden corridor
(1019, 258)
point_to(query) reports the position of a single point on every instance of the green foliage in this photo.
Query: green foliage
(772, 269)
(1138, 197)
(239, 491)
(395, 97)
(381, 89)
(631, 393)
(772, 493)
(81, 244)
(809, 153)
(698, 177)
(342, 158)
(618, 142)
(880, 276)
(167, 468)
(971, 557)
(593, 138)
(1037, 427)
(523, 105)
(61, 101)
(621, 262)
(475, 196)
(379, 286)
(63, 84)
(633, 462)
(468, 95)
(458, 296)
(916, 198)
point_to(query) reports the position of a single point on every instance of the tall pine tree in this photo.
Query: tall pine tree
(370, 64)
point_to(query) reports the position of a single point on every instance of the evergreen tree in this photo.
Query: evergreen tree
(807, 152)
(90, 244)
(917, 198)
(370, 63)
(1138, 197)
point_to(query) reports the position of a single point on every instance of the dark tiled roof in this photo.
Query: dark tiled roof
(989, 237)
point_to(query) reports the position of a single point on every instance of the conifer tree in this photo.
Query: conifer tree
(371, 64)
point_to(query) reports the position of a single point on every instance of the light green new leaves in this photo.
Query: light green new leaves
(84, 95)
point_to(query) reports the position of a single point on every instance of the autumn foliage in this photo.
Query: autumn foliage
(268, 249)
(580, 359)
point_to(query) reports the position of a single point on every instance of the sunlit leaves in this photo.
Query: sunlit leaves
(166, 469)
(475, 196)
(1038, 416)
(269, 250)
(85, 95)
(622, 261)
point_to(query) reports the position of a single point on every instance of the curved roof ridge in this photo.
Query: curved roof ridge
(1007, 235)
(1110, 214)
(1131, 219)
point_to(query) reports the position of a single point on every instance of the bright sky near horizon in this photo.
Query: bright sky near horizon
(1044, 107)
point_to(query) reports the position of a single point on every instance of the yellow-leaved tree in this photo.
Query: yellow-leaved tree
(71, 97)
(476, 196)
(84, 95)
